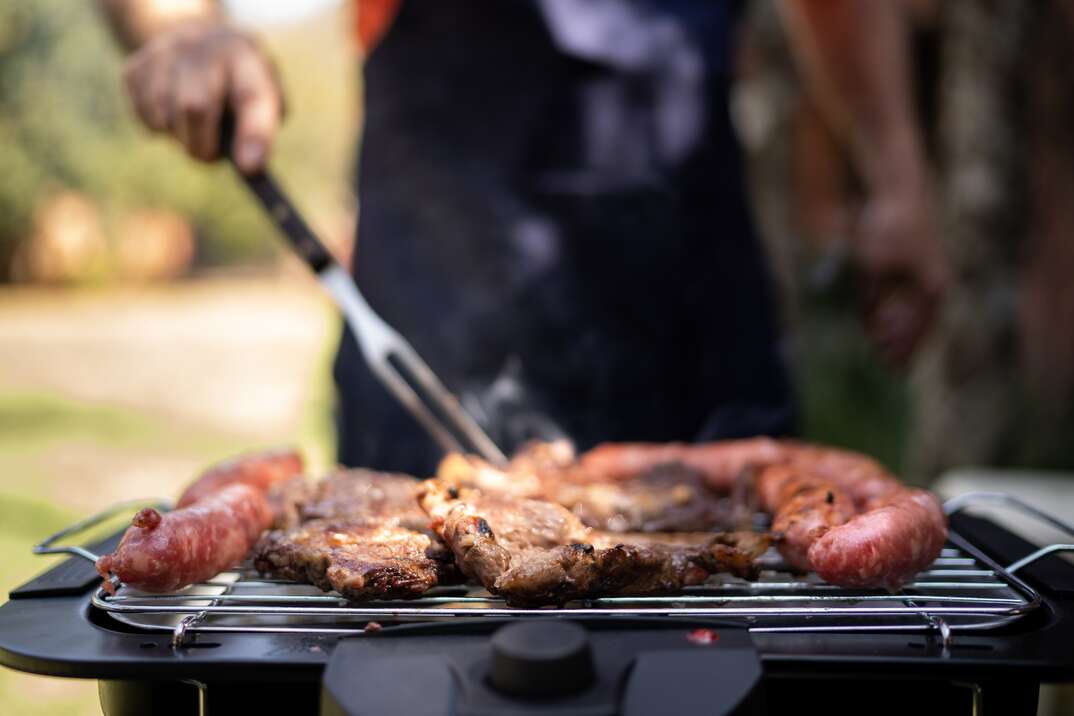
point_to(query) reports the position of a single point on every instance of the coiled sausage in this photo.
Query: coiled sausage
(840, 514)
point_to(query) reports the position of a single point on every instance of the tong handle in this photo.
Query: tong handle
(278, 205)
(406, 376)
(388, 354)
(290, 223)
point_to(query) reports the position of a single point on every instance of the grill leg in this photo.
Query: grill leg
(222, 699)
(172, 698)
(135, 698)
(1009, 697)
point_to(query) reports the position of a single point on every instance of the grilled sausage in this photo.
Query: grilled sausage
(803, 508)
(260, 470)
(720, 462)
(162, 553)
(840, 513)
(884, 546)
(862, 477)
(849, 520)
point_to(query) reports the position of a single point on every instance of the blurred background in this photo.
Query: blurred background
(150, 322)
(145, 304)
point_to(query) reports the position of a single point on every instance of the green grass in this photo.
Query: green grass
(31, 421)
(35, 425)
(317, 430)
(28, 420)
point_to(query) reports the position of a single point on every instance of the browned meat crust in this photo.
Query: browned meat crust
(358, 532)
(534, 552)
(360, 560)
(668, 497)
(285, 499)
(664, 497)
(377, 497)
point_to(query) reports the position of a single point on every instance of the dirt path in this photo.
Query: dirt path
(234, 355)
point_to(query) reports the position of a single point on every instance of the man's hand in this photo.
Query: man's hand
(905, 273)
(183, 81)
(856, 60)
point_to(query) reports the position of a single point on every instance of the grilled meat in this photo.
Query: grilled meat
(285, 499)
(261, 470)
(358, 532)
(379, 497)
(664, 497)
(534, 552)
(360, 559)
(162, 553)
(842, 514)
(363, 534)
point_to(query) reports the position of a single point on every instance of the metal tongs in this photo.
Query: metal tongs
(391, 358)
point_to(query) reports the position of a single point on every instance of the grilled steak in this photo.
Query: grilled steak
(358, 532)
(382, 498)
(665, 497)
(534, 552)
(358, 558)
(362, 533)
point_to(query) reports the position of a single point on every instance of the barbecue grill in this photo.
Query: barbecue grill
(988, 622)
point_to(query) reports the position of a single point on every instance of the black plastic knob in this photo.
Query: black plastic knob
(541, 659)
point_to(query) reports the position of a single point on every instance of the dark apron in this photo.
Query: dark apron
(566, 243)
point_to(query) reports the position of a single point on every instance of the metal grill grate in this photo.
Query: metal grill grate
(962, 590)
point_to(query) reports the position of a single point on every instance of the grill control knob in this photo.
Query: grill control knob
(541, 659)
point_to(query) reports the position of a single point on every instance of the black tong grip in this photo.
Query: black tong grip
(278, 206)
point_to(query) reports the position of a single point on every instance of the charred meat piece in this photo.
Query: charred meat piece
(360, 559)
(285, 499)
(664, 497)
(358, 532)
(534, 552)
(356, 495)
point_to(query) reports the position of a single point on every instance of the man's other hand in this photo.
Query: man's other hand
(904, 269)
(182, 81)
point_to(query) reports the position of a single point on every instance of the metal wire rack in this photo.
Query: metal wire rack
(962, 590)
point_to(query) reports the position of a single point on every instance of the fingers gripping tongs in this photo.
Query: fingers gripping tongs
(388, 354)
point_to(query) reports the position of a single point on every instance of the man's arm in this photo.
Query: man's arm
(855, 57)
(187, 67)
(135, 22)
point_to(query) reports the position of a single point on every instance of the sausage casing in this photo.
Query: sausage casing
(260, 470)
(883, 546)
(165, 552)
(838, 513)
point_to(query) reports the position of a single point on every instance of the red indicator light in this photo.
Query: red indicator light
(704, 637)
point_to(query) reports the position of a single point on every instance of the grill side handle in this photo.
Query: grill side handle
(78, 573)
(960, 503)
(1048, 574)
(49, 546)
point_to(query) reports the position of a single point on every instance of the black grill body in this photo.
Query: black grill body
(50, 627)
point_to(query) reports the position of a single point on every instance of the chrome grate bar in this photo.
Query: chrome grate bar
(975, 594)
(962, 590)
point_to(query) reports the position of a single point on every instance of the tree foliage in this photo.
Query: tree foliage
(66, 124)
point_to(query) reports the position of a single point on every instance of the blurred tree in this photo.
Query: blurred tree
(65, 124)
(995, 385)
